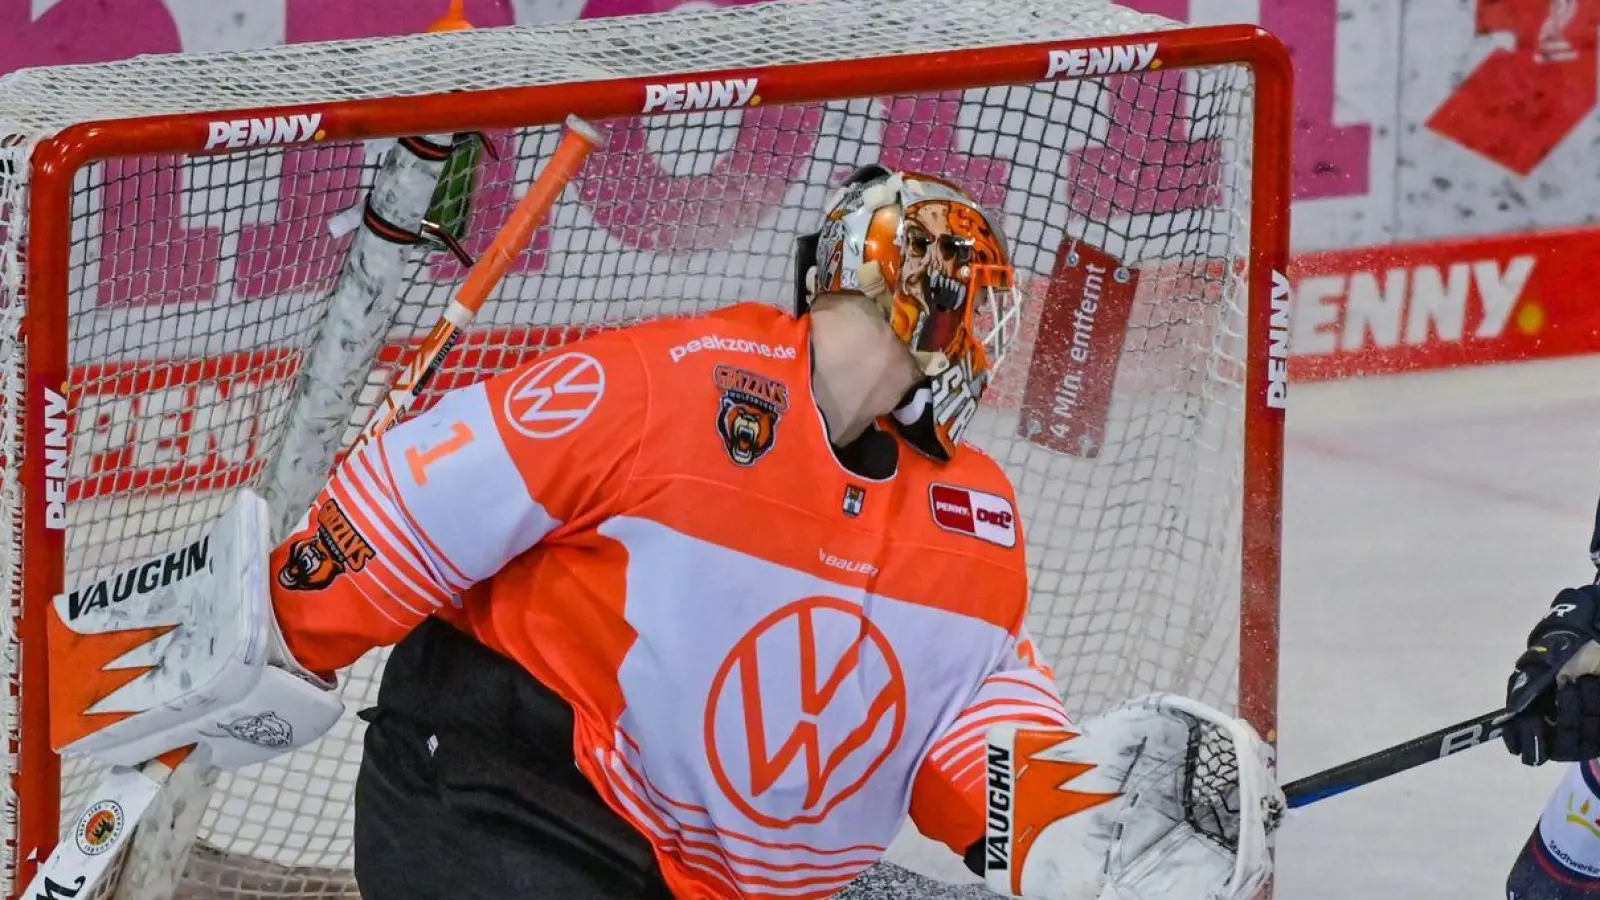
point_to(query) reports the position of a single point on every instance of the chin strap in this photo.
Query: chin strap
(913, 418)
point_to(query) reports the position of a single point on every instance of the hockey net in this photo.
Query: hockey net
(193, 277)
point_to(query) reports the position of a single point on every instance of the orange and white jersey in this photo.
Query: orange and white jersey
(771, 661)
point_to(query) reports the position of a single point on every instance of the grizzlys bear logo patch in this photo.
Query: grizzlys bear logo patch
(335, 547)
(747, 416)
(266, 729)
(98, 828)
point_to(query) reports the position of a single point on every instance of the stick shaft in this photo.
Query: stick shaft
(1408, 755)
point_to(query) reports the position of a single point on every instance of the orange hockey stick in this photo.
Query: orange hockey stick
(81, 859)
(576, 145)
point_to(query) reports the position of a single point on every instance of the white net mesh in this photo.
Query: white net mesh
(199, 285)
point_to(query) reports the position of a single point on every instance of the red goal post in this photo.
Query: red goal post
(52, 253)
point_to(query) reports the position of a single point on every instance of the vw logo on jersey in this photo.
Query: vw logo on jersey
(555, 396)
(804, 710)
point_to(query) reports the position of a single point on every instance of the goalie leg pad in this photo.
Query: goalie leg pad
(1162, 798)
(183, 649)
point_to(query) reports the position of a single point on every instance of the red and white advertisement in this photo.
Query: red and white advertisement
(1444, 303)
(1083, 321)
(965, 511)
(173, 422)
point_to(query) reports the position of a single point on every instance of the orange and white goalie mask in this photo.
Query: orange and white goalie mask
(938, 267)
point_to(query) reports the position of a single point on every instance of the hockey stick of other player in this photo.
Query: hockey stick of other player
(1400, 757)
(1415, 752)
(107, 822)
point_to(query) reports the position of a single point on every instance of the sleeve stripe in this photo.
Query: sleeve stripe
(971, 752)
(971, 773)
(390, 567)
(992, 703)
(406, 549)
(384, 612)
(395, 549)
(390, 560)
(364, 481)
(454, 578)
(949, 798)
(1008, 708)
(976, 731)
(974, 782)
(396, 598)
(1018, 679)
(379, 491)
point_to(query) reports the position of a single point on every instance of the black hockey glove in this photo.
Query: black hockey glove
(1553, 698)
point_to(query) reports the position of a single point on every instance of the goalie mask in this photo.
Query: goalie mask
(938, 269)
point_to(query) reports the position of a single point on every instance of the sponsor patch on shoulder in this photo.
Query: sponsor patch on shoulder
(988, 517)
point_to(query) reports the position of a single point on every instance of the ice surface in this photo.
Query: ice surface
(1428, 521)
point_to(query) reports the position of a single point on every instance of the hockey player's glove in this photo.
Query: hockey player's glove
(1553, 696)
(1162, 798)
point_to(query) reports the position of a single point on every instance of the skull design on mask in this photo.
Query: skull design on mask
(923, 250)
(942, 242)
(931, 277)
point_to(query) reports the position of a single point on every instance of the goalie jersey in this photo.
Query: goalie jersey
(771, 660)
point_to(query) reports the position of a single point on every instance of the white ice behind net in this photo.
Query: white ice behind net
(197, 284)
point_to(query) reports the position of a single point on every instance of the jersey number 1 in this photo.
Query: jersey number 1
(420, 458)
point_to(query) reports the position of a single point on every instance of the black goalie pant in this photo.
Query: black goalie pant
(468, 787)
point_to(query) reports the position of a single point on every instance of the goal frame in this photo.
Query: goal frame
(45, 334)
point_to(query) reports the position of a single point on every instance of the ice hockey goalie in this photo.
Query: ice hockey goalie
(708, 607)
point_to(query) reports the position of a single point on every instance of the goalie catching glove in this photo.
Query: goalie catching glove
(1162, 798)
(184, 649)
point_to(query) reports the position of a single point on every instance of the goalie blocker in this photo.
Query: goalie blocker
(184, 649)
(1162, 797)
